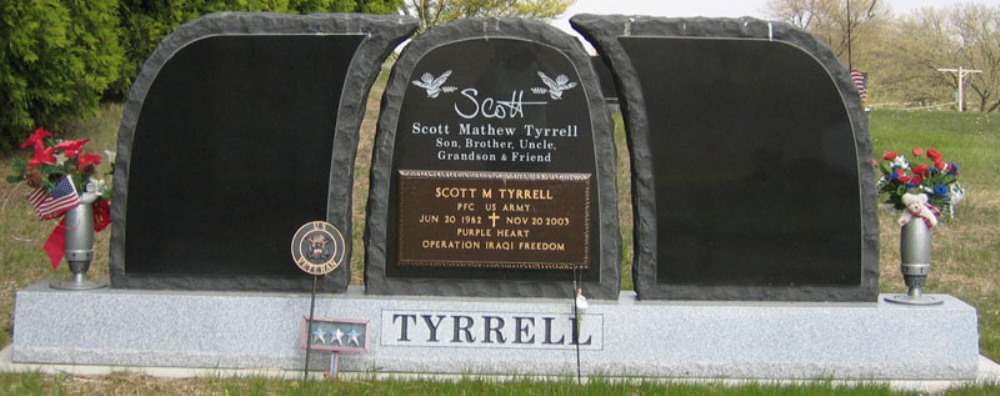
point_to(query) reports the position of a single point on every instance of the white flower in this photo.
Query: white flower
(956, 192)
(901, 162)
(110, 155)
(95, 186)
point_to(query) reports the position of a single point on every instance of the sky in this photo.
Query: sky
(716, 8)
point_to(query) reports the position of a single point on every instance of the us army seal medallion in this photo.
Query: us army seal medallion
(318, 248)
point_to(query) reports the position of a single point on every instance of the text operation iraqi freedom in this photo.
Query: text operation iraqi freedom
(492, 245)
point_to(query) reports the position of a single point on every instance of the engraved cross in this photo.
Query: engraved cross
(494, 217)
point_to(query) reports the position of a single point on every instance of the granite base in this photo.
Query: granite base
(495, 336)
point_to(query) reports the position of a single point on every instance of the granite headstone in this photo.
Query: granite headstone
(607, 80)
(493, 170)
(241, 128)
(750, 158)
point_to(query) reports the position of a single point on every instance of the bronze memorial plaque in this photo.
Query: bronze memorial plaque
(503, 220)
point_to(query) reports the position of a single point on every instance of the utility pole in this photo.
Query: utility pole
(850, 67)
(961, 72)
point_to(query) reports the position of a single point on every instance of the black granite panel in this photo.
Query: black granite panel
(241, 128)
(607, 79)
(227, 164)
(750, 161)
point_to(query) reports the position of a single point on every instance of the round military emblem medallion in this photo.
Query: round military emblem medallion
(318, 248)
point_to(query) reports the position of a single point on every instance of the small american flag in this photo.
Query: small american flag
(50, 206)
(861, 81)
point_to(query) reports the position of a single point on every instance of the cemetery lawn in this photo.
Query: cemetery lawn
(966, 262)
(125, 384)
(966, 255)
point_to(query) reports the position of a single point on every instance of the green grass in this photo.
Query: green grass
(966, 254)
(37, 384)
(624, 201)
(967, 138)
(22, 235)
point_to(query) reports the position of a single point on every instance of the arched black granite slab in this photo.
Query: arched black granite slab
(500, 59)
(750, 159)
(240, 128)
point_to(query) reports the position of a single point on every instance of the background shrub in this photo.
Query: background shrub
(145, 23)
(59, 58)
(56, 59)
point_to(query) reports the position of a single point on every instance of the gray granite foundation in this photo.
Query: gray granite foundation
(505, 336)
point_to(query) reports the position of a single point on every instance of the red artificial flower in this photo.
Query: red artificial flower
(934, 154)
(890, 156)
(47, 156)
(917, 179)
(901, 176)
(89, 159)
(39, 147)
(922, 170)
(38, 137)
(102, 215)
(72, 147)
(939, 164)
(917, 151)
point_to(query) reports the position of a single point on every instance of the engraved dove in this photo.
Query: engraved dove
(555, 87)
(434, 86)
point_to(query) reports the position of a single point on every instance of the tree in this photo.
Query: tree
(56, 58)
(435, 12)
(905, 62)
(965, 36)
(830, 20)
(977, 28)
(146, 22)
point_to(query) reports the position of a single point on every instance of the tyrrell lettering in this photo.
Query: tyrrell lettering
(404, 325)
(433, 326)
(535, 131)
(487, 329)
(516, 193)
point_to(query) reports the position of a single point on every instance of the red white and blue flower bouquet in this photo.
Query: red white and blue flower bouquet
(62, 177)
(923, 190)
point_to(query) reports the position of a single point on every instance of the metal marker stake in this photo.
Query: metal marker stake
(576, 326)
(334, 364)
(318, 249)
(312, 311)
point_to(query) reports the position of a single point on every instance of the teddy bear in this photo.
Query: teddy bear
(917, 206)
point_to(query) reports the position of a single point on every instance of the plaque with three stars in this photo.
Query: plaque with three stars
(335, 335)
